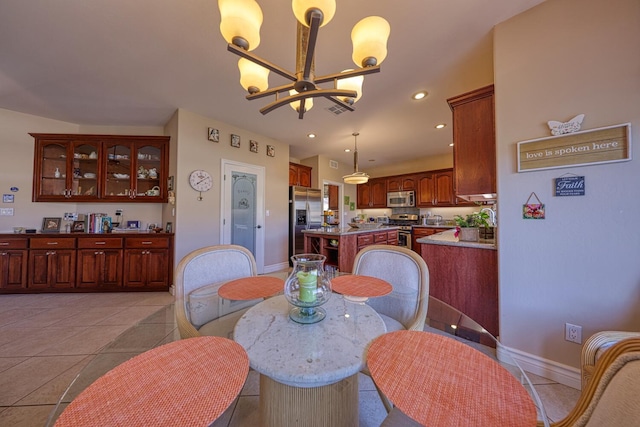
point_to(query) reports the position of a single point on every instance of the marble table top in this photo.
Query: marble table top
(312, 355)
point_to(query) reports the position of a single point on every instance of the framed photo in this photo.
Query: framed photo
(133, 224)
(214, 135)
(235, 141)
(170, 183)
(51, 225)
(253, 146)
(169, 228)
(271, 151)
(77, 227)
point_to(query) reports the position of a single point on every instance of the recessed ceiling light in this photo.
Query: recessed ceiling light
(419, 95)
(440, 125)
(347, 150)
(311, 135)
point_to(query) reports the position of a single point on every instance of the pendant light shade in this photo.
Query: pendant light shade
(253, 77)
(351, 83)
(356, 177)
(240, 22)
(369, 38)
(300, 8)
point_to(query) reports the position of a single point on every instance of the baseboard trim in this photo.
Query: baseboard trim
(558, 372)
(276, 267)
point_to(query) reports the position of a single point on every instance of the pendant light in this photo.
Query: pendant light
(356, 177)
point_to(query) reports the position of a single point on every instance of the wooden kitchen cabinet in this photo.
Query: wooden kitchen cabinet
(420, 232)
(474, 149)
(100, 168)
(99, 262)
(435, 188)
(373, 194)
(146, 262)
(52, 263)
(13, 263)
(402, 183)
(299, 175)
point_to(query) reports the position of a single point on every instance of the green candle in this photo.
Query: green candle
(308, 284)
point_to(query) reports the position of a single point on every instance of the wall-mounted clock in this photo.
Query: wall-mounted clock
(200, 181)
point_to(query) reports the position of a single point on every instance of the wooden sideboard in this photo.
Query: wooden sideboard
(85, 262)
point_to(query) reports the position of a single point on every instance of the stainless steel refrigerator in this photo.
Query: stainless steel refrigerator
(305, 212)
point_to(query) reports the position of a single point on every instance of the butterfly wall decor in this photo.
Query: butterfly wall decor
(559, 128)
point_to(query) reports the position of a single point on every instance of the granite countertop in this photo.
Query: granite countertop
(342, 231)
(447, 238)
(434, 226)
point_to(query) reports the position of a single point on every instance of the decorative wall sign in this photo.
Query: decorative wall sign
(533, 210)
(559, 128)
(235, 141)
(603, 145)
(214, 135)
(570, 186)
(271, 151)
(7, 198)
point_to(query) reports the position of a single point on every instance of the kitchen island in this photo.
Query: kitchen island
(464, 275)
(340, 245)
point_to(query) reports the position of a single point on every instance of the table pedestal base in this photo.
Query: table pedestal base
(333, 405)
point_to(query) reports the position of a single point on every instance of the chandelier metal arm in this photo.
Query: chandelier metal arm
(272, 91)
(262, 62)
(315, 18)
(347, 74)
(327, 93)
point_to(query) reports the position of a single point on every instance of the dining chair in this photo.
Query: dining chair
(406, 306)
(199, 310)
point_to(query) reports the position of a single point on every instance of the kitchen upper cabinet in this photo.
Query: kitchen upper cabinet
(402, 183)
(373, 194)
(436, 189)
(474, 149)
(100, 168)
(299, 175)
(333, 191)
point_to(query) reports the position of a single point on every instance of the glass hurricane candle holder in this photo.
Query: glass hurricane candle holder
(307, 288)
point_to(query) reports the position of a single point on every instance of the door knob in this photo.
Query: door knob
(258, 226)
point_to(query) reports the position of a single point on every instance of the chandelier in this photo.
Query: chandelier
(356, 177)
(240, 26)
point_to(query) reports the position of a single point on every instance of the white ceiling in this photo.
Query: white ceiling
(134, 62)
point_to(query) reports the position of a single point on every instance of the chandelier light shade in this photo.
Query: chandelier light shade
(369, 38)
(356, 177)
(240, 26)
(354, 84)
(308, 102)
(240, 22)
(301, 10)
(253, 77)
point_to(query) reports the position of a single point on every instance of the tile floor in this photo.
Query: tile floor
(47, 339)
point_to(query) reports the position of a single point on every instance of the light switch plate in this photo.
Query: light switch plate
(6, 211)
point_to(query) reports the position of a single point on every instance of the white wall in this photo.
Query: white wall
(16, 170)
(580, 264)
(197, 223)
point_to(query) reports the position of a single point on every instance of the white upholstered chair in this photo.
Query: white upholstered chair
(199, 310)
(595, 346)
(406, 306)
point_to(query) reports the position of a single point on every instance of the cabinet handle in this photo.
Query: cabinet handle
(4, 243)
(52, 243)
(3, 253)
(147, 243)
(100, 243)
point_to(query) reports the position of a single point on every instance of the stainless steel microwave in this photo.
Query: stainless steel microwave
(401, 199)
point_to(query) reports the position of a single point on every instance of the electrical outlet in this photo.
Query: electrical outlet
(573, 333)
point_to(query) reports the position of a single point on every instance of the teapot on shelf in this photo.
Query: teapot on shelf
(153, 173)
(155, 191)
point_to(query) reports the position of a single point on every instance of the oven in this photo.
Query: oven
(404, 221)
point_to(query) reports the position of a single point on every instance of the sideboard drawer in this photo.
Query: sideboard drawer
(8, 243)
(146, 242)
(99, 242)
(52, 243)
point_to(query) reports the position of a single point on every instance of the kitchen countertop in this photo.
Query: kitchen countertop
(433, 226)
(447, 238)
(342, 231)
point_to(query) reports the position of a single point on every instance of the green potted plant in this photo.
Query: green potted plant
(468, 227)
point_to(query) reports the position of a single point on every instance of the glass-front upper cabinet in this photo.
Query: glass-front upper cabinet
(97, 168)
(65, 169)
